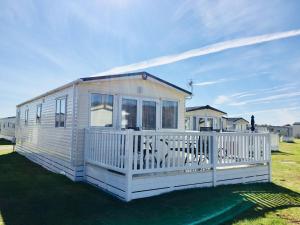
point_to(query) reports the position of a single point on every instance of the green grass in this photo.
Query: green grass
(31, 195)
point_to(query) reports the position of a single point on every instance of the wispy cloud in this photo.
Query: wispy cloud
(228, 79)
(279, 116)
(207, 83)
(214, 48)
(235, 98)
(267, 99)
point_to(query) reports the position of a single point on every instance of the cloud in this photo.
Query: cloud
(275, 116)
(235, 98)
(223, 80)
(222, 99)
(207, 83)
(267, 99)
(210, 49)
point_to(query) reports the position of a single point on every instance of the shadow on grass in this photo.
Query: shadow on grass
(5, 142)
(281, 153)
(31, 195)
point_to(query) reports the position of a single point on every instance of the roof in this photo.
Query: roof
(296, 123)
(9, 117)
(189, 109)
(234, 119)
(143, 74)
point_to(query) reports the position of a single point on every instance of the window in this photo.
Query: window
(201, 122)
(169, 115)
(187, 123)
(26, 116)
(129, 113)
(38, 113)
(102, 110)
(60, 112)
(18, 116)
(149, 115)
(194, 123)
(210, 122)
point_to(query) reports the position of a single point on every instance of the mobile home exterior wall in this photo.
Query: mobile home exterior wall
(7, 128)
(43, 142)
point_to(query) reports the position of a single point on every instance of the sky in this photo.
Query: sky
(242, 56)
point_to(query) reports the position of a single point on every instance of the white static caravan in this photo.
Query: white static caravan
(7, 128)
(238, 124)
(125, 134)
(205, 118)
(296, 130)
(50, 127)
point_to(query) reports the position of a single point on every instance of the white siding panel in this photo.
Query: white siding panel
(45, 138)
(7, 130)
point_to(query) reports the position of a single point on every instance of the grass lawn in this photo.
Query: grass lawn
(31, 195)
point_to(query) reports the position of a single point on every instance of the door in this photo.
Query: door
(139, 113)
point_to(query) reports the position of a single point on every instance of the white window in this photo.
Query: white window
(18, 116)
(101, 110)
(169, 115)
(60, 112)
(38, 113)
(187, 123)
(194, 123)
(149, 115)
(129, 113)
(26, 116)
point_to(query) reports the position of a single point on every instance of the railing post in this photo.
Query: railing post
(270, 156)
(214, 149)
(86, 149)
(128, 162)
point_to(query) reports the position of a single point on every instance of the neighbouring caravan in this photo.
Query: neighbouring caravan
(296, 130)
(50, 127)
(205, 118)
(237, 124)
(7, 128)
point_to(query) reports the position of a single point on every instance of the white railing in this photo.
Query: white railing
(242, 148)
(139, 152)
(274, 141)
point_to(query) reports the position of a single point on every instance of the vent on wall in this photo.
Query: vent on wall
(139, 90)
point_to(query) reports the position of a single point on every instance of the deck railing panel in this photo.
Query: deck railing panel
(149, 152)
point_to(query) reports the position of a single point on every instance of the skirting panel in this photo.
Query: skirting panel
(149, 186)
(111, 182)
(53, 164)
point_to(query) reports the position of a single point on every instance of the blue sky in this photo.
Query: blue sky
(44, 44)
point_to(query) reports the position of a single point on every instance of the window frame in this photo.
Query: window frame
(65, 115)
(26, 115)
(138, 113)
(38, 120)
(139, 99)
(161, 114)
(142, 100)
(113, 110)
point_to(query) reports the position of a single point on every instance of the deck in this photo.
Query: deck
(137, 164)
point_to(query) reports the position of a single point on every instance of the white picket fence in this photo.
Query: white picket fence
(147, 152)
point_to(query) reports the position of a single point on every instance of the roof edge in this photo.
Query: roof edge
(194, 108)
(50, 92)
(112, 76)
